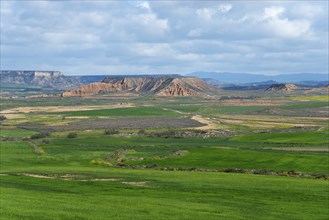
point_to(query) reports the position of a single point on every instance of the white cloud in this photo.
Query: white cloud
(83, 37)
(150, 20)
(224, 8)
(287, 28)
(273, 12)
(144, 5)
(69, 38)
(276, 23)
(152, 50)
(195, 32)
(205, 13)
(188, 57)
(307, 10)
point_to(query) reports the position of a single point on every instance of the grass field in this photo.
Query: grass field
(311, 98)
(123, 112)
(166, 195)
(16, 133)
(125, 176)
(314, 137)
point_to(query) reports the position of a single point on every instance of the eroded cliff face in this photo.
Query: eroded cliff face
(282, 87)
(93, 89)
(46, 79)
(160, 86)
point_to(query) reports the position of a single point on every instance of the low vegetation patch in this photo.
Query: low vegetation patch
(40, 135)
(72, 135)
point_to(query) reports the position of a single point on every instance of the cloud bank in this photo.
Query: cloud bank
(113, 37)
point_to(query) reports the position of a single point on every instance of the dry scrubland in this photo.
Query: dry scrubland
(165, 158)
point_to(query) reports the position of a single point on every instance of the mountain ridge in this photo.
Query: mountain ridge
(158, 86)
(227, 77)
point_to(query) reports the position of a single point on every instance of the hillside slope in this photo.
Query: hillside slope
(160, 86)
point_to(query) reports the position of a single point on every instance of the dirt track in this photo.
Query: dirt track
(209, 125)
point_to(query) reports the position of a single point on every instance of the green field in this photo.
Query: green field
(247, 159)
(15, 132)
(313, 98)
(166, 195)
(315, 137)
(123, 112)
(244, 171)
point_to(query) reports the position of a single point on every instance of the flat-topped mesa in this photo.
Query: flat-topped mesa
(146, 85)
(46, 79)
(30, 73)
(282, 87)
(47, 74)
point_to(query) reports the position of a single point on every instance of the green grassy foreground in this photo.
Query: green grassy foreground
(166, 195)
(56, 177)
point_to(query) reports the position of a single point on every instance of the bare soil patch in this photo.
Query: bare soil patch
(71, 177)
(209, 124)
(38, 176)
(14, 116)
(139, 184)
(63, 108)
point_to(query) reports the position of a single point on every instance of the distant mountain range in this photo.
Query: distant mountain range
(241, 78)
(231, 81)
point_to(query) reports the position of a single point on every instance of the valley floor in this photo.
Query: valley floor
(205, 159)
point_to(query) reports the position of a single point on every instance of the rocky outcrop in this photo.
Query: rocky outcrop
(146, 85)
(282, 87)
(46, 79)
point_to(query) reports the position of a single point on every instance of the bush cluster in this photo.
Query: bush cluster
(72, 135)
(2, 117)
(40, 135)
(45, 141)
(111, 131)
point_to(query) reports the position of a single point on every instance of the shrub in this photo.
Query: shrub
(72, 135)
(45, 141)
(142, 132)
(40, 135)
(100, 161)
(111, 131)
(2, 117)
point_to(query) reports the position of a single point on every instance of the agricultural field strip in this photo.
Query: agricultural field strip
(257, 102)
(315, 149)
(255, 122)
(310, 98)
(314, 121)
(54, 109)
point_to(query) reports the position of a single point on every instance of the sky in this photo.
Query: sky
(165, 37)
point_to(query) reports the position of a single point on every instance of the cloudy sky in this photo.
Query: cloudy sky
(131, 37)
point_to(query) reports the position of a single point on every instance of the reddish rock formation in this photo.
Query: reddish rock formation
(160, 86)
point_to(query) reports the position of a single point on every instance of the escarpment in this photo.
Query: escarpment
(152, 85)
